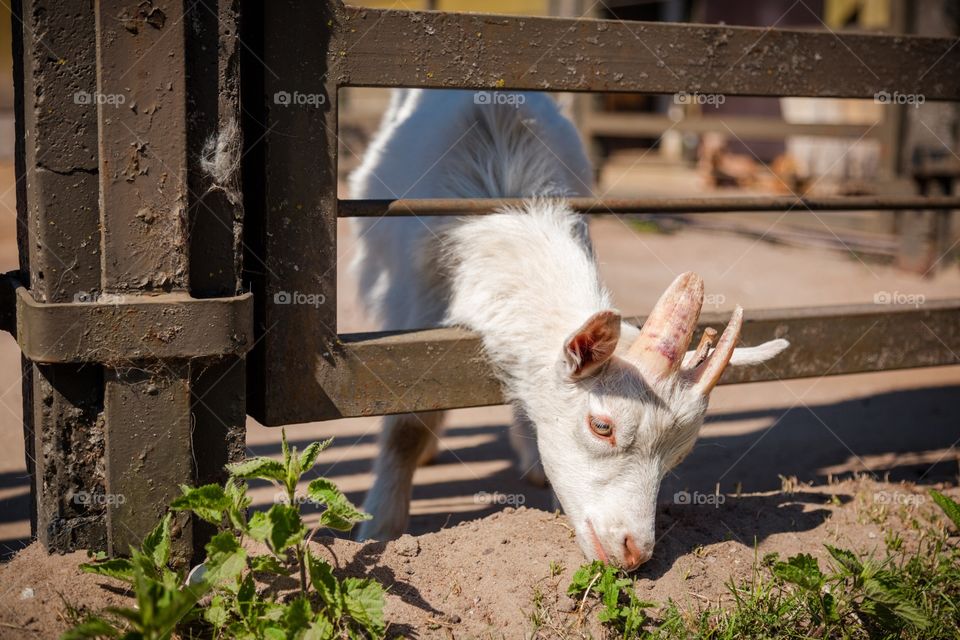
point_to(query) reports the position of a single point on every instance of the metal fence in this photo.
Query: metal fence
(131, 313)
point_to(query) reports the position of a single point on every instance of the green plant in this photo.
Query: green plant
(323, 607)
(622, 610)
(902, 595)
(161, 602)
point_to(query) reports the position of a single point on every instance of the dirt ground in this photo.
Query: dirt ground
(488, 578)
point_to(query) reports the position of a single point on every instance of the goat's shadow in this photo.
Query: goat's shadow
(748, 519)
(366, 564)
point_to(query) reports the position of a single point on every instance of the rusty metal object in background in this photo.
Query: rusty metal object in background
(480, 206)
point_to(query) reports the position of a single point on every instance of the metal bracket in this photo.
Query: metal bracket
(122, 328)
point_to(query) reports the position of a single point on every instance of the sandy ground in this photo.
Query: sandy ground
(488, 578)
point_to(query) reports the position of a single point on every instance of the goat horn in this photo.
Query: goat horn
(708, 374)
(663, 340)
(707, 340)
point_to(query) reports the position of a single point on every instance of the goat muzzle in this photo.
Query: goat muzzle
(665, 336)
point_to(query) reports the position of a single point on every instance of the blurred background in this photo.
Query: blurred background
(901, 425)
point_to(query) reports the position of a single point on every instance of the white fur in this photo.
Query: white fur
(526, 280)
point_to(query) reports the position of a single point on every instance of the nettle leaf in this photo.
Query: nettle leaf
(280, 527)
(246, 600)
(226, 559)
(846, 559)
(321, 629)
(272, 632)
(309, 456)
(830, 612)
(364, 600)
(91, 628)
(298, 615)
(119, 568)
(801, 570)
(285, 448)
(340, 514)
(149, 592)
(267, 564)
(218, 612)
(948, 505)
(208, 502)
(156, 545)
(236, 492)
(583, 577)
(890, 594)
(325, 584)
(181, 607)
(262, 468)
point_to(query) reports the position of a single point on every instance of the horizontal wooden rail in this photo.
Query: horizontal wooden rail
(444, 368)
(480, 206)
(431, 49)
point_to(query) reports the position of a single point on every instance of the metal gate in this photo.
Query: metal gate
(306, 371)
(131, 314)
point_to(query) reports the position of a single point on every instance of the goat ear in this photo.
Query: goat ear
(742, 356)
(746, 356)
(590, 346)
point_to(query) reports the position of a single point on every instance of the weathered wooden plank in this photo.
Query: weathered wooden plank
(383, 48)
(294, 266)
(445, 368)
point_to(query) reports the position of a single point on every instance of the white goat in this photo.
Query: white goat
(612, 408)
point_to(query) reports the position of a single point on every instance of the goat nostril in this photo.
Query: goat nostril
(634, 556)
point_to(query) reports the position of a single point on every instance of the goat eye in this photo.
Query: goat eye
(600, 427)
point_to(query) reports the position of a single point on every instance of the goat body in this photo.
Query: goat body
(608, 417)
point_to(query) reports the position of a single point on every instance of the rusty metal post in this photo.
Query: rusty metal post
(58, 237)
(143, 195)
(130, 214)
(296, 102)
